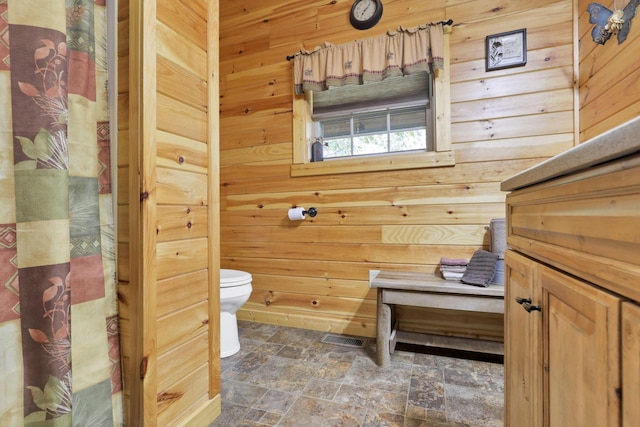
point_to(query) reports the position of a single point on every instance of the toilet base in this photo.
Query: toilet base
(229, 342)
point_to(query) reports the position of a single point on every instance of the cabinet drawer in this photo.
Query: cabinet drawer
(587, 224)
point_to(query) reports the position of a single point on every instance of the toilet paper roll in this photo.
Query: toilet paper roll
(296, 214)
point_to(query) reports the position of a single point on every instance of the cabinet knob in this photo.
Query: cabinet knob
(521, 300)
(527, 306)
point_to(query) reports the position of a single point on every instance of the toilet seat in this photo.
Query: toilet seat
(231, 278)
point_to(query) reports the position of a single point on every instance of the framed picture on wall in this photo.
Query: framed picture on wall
(506, 50)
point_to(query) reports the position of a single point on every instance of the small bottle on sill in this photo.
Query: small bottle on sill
(317, 154)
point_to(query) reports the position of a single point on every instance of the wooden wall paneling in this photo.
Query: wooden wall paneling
(175, 402)
(178, 118)
(353, 252)
(358, 289)
(181, 360)
(177, 152)
(397, 220)
(608, 81)
(499, 86)
(483, 192)
(517, 105)
(535, 148)
(188, 20)
(538, 124)
(171, 295)
(327, 305)
(472, 213)
(474, 170)
(182, 222)
(177, 83)
(170, 352)
(211, 9)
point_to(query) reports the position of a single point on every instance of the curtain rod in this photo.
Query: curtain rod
(449, 22)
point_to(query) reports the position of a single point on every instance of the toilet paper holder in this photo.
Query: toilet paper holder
(311, 212)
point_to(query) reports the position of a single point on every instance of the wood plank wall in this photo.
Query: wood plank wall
(609, 77)
(314, 274)
(168, 209)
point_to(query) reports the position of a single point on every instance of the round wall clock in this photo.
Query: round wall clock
(365, 13)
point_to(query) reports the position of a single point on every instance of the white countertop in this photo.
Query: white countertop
(618, 142)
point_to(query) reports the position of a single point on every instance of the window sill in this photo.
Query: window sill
(430, 159)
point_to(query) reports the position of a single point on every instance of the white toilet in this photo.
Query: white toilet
(235, 289)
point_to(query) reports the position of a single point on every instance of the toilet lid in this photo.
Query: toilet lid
(234, 278)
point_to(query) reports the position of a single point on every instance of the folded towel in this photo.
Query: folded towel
(453, 261)
(481, 268)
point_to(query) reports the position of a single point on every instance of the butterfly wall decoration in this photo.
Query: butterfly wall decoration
(610, 22)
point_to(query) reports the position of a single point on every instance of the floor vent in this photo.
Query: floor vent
(343, 340)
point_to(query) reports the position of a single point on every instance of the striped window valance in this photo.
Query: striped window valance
(395, 53)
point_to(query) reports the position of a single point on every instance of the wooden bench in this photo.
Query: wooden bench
(429, 290)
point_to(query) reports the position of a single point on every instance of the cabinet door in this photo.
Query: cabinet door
(522, 350)
(630, 365)
(580, 340)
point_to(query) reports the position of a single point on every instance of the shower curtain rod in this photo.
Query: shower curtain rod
(449, 22)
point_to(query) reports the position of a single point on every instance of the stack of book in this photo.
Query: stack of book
(453, 268)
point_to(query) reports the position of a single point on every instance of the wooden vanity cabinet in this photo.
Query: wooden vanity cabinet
(572, 318)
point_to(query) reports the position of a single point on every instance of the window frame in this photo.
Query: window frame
(442, 154)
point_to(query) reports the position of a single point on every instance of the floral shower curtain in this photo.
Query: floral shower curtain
(59, 353)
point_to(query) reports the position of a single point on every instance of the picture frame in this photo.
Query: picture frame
(506, 50)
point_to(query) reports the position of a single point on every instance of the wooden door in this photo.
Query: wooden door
(522, 352)
(630, 365)
(580, 341)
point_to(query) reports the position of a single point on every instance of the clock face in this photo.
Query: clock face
(364, 10)
(365, 13)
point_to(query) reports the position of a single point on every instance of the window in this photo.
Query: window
(383, 131)
(391, 116)
(401, 122)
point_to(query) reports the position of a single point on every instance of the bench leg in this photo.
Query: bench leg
(383, 331)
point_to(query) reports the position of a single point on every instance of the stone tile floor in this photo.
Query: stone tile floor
(287, 377)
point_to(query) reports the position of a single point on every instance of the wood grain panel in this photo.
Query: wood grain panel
(257, 153)
(530, 147)
(609, 94)
(181, 326)
(340, 306)
(188, 21)
(510, 85)
(518, 105)
(182, 222)
(291, 232)
(313, 286)
(181, 256)
(539, 124)
(181, 119)
(384, 196)
(472, 213)
(177, 399)
(451, 322)
(177, 363)
(172, 295)
(473, 171)
(181, 153)
(176, 82)
(351, 325)
(167, 59)
(177, 49)
(354, 252)
(180, 187)
(328, 269)
(444, 235)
